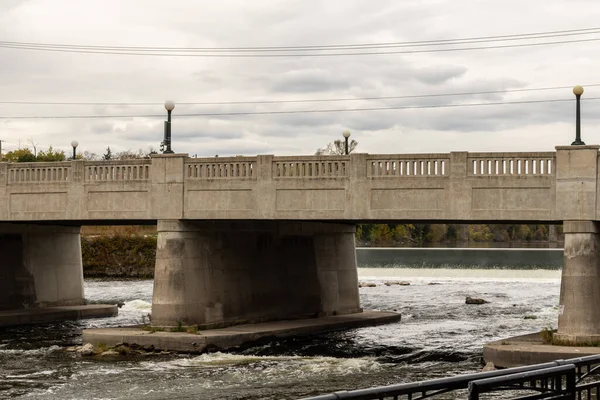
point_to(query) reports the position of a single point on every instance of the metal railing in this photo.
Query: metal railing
(560, 379)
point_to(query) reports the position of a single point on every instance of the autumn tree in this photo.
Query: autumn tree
(20, 155)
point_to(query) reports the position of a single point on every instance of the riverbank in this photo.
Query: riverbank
(118, 256)
(134, 256)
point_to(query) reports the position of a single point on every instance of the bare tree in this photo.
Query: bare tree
(33, 144)
(88, 156)
(337, 148)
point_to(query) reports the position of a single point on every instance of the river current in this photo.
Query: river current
(439, 336)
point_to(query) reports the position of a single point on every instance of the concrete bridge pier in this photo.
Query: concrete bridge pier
(40, 266)
(219, 273)
(579, 317)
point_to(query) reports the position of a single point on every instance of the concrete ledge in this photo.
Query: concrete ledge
(53, 314)
(235, 335)
(530, 349)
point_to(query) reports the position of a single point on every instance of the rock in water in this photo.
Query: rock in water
(489, 367)
(110, 353)
(87, 350)
(399, 283)
(473, 300)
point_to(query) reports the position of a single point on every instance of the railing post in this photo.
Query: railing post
(357, 189)
(459, 197)
(167, 177)
(4, 196)
(265, 190)
(76, 208)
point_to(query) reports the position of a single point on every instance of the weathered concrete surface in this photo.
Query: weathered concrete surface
(528, 350)
(220, 273)
(456, 186)
(54, 314)
(579, 317)
(236, 335)
(40, 266)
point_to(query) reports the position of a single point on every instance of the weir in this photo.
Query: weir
(224, 224)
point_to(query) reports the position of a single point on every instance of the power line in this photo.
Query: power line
(222, 114)
(300, 54)
(416, 96)
(478, 39)
(107, 50)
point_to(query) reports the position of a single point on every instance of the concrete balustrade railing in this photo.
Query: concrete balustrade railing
(126, 170)
(39, 172)
(540, 163)
(409, 165)
(311, 167)
(453, 186)
(220, 168)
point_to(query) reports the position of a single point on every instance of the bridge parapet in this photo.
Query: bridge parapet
(540, 163)
(311, 167)
(457, 186)
(220, 168)
(407, 165)
(46, 172)
(124, 170)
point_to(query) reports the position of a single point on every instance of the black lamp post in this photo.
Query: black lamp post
(346, 136)
(578, 91)
(169, 106)
(74, 145)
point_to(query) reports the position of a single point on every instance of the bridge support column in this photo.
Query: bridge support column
(40, 266)
(218, 273)
(579, 318)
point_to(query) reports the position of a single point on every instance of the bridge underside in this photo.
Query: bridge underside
(223, 273)
(40, 266)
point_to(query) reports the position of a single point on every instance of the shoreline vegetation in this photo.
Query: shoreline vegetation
(129, 251)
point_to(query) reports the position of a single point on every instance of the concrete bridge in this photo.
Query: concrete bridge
(260, 238)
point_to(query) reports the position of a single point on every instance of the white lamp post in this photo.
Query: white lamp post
(74, 145)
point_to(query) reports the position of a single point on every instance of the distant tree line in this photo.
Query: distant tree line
(26, 155)
(383, 235)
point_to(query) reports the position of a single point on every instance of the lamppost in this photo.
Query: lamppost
(74, 145)
(169, 106)
(346, 136)
(578, 91)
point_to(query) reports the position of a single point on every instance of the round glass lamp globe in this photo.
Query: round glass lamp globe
(169, 105)
(346, 134)
(578, 90)
(74, 143)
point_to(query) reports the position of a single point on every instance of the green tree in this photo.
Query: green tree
(20, 155)
(108, 154)
(50, 155)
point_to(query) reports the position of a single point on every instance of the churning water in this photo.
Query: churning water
(439, 336)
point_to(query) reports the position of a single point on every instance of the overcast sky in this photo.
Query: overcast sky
(41, 76)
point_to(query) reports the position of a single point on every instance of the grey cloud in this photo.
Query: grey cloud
(308, 80)
(439, 74)
(31, 75)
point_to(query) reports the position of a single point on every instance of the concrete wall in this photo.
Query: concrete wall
(456, 186)
(40, 266)
(215, 273)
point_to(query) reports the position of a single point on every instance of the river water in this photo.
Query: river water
(439, 336)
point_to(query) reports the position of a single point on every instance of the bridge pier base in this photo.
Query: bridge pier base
(40, 266)
(579, 318)
(219, 273)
